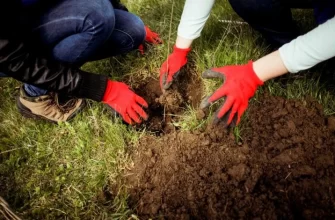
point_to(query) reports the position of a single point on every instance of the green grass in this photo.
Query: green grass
(50, 171)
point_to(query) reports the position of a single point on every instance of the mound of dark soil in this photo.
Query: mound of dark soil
(164, 108)
(284, 169)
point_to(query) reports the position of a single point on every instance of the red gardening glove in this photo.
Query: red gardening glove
(125, 102)
(151, 38)
(240, 84)
(171, 67)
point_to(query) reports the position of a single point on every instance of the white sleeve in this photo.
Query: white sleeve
(194, 17)
(310, 49)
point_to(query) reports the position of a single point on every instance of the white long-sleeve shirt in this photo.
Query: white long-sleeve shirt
(300, 54)
(310, 49)
(193, 20)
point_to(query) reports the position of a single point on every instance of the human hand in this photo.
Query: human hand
(240, 84)
(125, 102)
(172, 66)
(151, 38)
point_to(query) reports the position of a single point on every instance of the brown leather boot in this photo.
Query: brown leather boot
(47, 107)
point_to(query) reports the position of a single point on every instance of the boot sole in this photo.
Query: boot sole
(27, 113)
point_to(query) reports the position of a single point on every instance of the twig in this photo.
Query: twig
(54, 209)
(77, 190)
(6, 211)
(7, 151)
(164, 115)
(288, 175)
(233, 22)
(170, 31)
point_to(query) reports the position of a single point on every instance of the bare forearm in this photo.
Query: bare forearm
(183, 43)
(300, 54)
(269, 66)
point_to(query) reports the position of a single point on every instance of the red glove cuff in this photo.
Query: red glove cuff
(181, 51)
(108, 90)
(147, 31)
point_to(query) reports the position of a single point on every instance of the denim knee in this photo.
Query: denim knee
(100, 20)
(129, 30)
(84, 26)
(138, 31)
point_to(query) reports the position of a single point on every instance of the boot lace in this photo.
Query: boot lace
(65, 107)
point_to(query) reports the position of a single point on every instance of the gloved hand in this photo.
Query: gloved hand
(240, 84)
(125, 102)
(171, 67)
(151, 38)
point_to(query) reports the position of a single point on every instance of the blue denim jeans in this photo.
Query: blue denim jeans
(75, 32)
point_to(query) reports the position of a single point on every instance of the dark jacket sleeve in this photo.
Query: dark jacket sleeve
(17, 62)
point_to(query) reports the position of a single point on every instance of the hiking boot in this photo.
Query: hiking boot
(48, 107)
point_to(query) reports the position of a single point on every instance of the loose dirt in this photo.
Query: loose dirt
(165, 108)
(283, 168)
